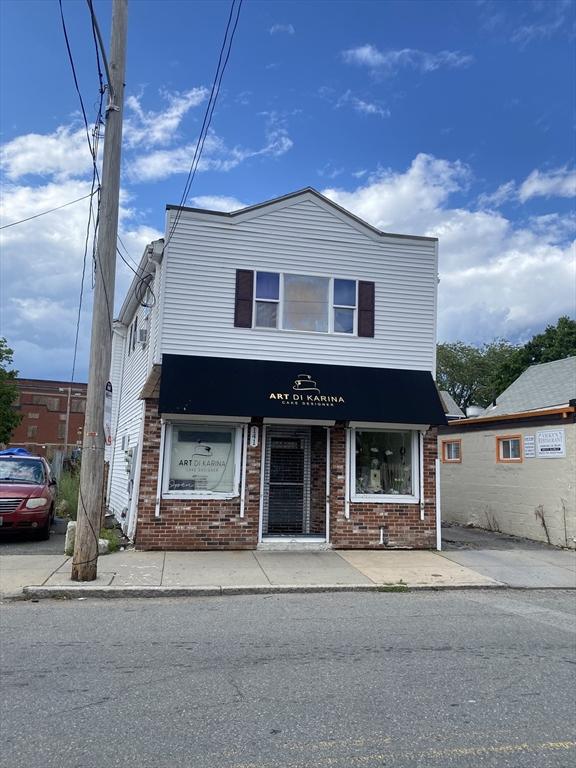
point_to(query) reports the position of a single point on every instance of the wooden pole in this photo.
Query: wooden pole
(85, 560)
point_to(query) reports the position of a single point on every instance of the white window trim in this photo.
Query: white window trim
(383, 498)
(280, 304)
(235, 493)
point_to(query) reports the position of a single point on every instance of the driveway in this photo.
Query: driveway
(512, 561)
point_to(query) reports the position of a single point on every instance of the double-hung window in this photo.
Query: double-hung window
(452, 451)
(305, 303)
(509, 449)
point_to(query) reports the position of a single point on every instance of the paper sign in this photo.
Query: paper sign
(108, 414)
(529, 446)
(551, 444)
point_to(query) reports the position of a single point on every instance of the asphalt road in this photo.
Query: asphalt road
(456, 679)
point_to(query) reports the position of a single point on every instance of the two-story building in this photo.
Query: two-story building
(273, 378)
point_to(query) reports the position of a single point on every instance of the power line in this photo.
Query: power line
(51, 210)
(77, 86)
(215, 90)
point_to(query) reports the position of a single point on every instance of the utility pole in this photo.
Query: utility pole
(85, 560)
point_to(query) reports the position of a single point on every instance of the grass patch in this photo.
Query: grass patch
(112, 536)
(68, 488)
(393, 588)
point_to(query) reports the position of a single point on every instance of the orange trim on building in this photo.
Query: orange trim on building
(565, 410)
(445, 459)
(499, 440)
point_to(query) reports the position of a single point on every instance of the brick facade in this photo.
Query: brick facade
(187, 524)
(401, 523)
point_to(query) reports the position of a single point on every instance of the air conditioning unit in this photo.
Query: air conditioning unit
(143, 336)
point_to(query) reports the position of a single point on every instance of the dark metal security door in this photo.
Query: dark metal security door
(286, 508)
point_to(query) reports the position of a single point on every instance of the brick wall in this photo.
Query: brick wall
(187, 524)
(401, 522)
(318, 481)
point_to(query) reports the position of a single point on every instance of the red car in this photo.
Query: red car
(27, 493)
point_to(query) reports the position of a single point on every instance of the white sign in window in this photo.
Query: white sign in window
(529, 446)
(550, 444)
(202, 459)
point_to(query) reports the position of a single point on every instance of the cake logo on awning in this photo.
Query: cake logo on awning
(305, 391)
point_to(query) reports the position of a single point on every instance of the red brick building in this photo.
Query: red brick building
(52, 416)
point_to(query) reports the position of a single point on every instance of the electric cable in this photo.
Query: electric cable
(214, 92)
(51, 210)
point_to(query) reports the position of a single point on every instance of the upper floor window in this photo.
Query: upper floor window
(305, 303)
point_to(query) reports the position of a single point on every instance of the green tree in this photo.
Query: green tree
(9, 417)
(470, 374)
(554, 343)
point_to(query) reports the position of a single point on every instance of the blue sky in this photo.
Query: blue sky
(454, 119)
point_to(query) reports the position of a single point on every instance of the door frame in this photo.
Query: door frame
(284, 423)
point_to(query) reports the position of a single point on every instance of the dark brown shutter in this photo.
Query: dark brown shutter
(244, 294)
(365, 308)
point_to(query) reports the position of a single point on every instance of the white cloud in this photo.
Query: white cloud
(360, 105)
(498, 278)
(40, 275)
(556, 183)
(62, 154)
(217, 156)
(217, 203)
(287, 29)
(406, 58)
(548, 19)
(157, 128)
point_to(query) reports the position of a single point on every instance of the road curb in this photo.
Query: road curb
(74, 591)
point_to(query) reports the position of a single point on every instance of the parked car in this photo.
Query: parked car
(27, 493)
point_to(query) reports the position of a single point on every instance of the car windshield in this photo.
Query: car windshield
(17, 470)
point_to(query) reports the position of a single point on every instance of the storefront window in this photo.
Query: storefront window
(202, 460)
(384, 463)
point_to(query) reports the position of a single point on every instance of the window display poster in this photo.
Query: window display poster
(550, 444)
(202, 460)
(529, 446)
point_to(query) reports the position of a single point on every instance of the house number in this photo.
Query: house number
(253, 437)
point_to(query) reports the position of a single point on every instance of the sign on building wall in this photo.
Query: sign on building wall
(108, 414)
(550, 444)
(529, 446)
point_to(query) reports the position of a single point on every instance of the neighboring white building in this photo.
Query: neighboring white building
(513, 469)
(273, 375)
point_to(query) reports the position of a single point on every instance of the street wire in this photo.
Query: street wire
(51, 210)
(225, 50)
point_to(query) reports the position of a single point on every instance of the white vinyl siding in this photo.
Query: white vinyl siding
(127, 408)
(302, 237)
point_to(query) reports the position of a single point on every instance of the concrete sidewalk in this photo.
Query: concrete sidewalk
(146, 573)
(135, 573)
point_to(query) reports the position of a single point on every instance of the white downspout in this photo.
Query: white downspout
(133, 511)
(327, 484)
(421, 468)
(347, 475)
(243, 469)
(160, 469)
(438, 508)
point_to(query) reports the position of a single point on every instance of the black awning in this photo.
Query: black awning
(237, 387)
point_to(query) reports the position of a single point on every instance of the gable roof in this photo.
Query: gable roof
(307, 192)
(541, 386)
(451, 408)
